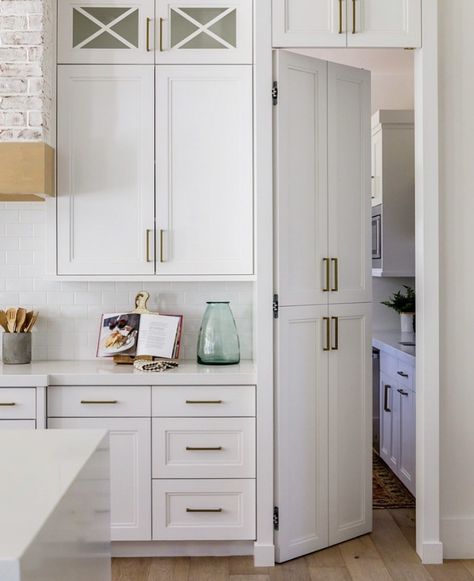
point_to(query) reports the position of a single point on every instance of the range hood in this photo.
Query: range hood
(26, 171)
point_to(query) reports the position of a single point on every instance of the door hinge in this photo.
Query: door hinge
(276, 307)
(276, 518)
(275, 93)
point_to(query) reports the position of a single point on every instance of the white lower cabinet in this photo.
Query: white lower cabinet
(130, 472)
(17, 408)
(17, 424)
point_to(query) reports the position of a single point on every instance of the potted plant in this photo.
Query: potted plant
(405, 305)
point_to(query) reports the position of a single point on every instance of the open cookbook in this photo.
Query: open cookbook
(136, 334)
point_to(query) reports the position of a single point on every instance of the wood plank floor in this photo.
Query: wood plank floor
(387, 554)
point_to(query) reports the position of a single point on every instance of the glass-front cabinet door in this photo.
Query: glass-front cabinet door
(107, 32)
(205, 32)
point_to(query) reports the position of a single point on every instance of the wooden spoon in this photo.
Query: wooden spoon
(20, 319)
(11, 319)
(28, 317)
(34, 316)
(3, 321)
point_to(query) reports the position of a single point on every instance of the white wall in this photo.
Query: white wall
(456, 92)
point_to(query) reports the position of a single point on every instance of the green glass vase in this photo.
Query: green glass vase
(218, 342)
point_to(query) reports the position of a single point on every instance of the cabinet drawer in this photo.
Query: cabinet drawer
(405, 374)
(98, 401)
(17, 424)
(203, 448)
(203, 510)
(17, 403)
(192, 401)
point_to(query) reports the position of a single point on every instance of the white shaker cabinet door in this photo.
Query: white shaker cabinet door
(301, 477)
(312, 23)
(407, 457)
(130, 472)
(350, 421)
(204, 32)
(204, 175)
(349, 184)
(384, 23)
(105, 160)
(108, 31)
(301, 216)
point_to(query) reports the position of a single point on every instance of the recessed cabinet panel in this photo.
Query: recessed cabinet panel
(204, 175)
(384, 23)
(130, 472)
(105, 32)
(17, 424)
(204, 32)
(309, 23)
(105, 203)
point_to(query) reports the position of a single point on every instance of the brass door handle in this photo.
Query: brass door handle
(335, 263)
(210, 448)
(99, 402)
(385, 398)
(335, 345)
(327, 275)
(162, 20)
(148, 258)
(212, 401)
(148, 20)
(354, 4)
(7, 404)
(327, 345)
(204, 510)
(340, 16)
(162, 239)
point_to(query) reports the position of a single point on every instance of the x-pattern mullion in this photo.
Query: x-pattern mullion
(203, 28)
(105, 27)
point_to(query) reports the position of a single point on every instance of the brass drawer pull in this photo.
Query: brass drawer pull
(335, 286)
(148, 20)
(354, 5)
(385, 398)
(148, 258)
(204, 510)
(401, 392)
(162, 20)
(212, 401)
(327, 274)
(162, 237)
(340, 16)
(210, 448)
(327, 346)
(335, 346)
(100, 402)
(8, 404)
(402, 374)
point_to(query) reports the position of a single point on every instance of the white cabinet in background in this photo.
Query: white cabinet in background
(351, 23)
(105, 204)
(111, 31)
(204, 170)
(17, 424)
(130, 472)
(210, 32)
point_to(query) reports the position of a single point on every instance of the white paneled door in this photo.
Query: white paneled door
(349, 199)
(301, 218)
(105, 159)
(130, 472)
(204, 170)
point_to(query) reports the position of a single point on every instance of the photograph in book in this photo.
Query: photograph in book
(138, 335)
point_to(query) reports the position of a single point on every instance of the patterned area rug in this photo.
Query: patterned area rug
(388, 491)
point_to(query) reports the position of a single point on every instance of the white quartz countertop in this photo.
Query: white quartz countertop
(390, 341)
(106, 372)
(38, 467)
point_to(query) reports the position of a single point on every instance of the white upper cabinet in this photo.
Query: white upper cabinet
(209, 32)
(309, 23)
(358, 23)
(384, 23)
(349, 184)
(111, 31)
(105, 205)
(204, 174)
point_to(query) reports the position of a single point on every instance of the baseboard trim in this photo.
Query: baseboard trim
(432, 553)
(457, 535)
(264, 555)
(182, 548)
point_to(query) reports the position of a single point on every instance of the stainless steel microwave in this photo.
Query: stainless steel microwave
(377, 236)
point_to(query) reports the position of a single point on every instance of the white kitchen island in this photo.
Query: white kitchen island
(54, 505)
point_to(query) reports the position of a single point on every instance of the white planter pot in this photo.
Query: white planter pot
(406, 322)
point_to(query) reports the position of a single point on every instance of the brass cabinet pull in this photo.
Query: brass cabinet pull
(204, 510)
(148, 258)
(402, 374)
(335, 346)
(192, 401)
(210, 448)
(327, 346)
(7, 404)
(385, 398)
(148, 20)
(100, 402)
(335, 263)
(162, 20)
(354, 4)
(162, 238)
(340, 16)
(327, 275)
(401, 392)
